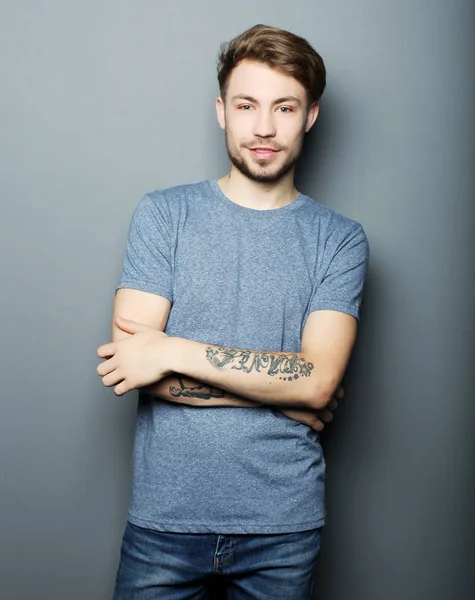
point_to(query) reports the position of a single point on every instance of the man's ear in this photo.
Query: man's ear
(220, 112)
(312, 115)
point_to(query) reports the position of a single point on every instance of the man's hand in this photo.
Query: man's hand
(141, 360)
(136, 361)
(316, 419)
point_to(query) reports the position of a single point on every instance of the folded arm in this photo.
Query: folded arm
(178, 388)
(306, 379)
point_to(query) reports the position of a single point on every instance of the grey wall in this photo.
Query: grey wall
(102, 101)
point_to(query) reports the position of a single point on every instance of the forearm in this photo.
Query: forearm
(185, 390)
(278, 378)
(190, 392)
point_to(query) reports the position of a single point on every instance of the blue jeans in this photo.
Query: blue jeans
(179, 566)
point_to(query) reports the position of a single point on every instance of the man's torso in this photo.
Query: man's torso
(245, 279)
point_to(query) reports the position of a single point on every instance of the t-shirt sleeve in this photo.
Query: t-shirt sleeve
(147, 261)
(341, 288)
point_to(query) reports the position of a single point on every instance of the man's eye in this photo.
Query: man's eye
(245, 106)
(285, 109)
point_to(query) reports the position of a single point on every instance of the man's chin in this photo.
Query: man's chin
(267, 175)
(262, 173)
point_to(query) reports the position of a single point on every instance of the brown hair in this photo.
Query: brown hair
(278, 49)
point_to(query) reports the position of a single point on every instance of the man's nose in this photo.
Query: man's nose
(264, 125)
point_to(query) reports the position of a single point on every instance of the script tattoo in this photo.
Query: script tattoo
(205, 392)
(281, 366)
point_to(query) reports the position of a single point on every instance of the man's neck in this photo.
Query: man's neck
(259, 196)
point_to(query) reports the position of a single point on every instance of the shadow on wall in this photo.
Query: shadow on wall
(323, 150)
(327, 154)
(353, 432)
(326, 148)
(363, 359)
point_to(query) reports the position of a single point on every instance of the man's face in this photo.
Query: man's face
(265, 118)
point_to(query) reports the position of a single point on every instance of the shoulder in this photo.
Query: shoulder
(328, 218)
(177, 195)
(334, 229)
(167, 204)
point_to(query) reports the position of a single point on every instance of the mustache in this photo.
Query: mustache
(262, 143)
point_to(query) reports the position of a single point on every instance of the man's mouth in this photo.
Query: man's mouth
(263, 151)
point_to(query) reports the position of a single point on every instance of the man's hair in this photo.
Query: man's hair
(278, 49)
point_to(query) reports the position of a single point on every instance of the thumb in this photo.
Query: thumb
(130, 326)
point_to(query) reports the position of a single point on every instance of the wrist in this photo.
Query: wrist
(175, 352)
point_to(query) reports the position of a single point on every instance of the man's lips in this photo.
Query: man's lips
(263, 151)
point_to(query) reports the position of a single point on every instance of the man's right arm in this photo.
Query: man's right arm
(185, 390)
(154, 310)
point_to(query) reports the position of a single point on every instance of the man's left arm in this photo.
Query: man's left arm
(307, 378)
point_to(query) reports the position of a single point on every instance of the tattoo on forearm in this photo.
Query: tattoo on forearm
(205, 392)
(287, 367)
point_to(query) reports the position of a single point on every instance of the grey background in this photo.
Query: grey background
(102, 101)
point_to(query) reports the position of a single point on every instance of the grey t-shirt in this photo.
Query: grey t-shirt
(239, 278)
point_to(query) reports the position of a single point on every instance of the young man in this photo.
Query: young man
(235, 315)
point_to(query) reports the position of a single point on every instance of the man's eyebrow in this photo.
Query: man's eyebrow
(244, 97)
(278, 101)
(287, 99)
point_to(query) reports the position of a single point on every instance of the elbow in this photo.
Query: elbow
(319, 393)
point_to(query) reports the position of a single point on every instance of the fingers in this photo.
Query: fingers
(109, 373)
(309, 418)
(108, 370)
(106, 367)
(325, 415)
(333, 402)
(132, 327)
(340, 393)
(112, 379)
(317, 424)
(121, 389)
(106, 350)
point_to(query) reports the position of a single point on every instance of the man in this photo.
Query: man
(235, 315)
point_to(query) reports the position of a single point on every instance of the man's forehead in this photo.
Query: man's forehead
(251, 75)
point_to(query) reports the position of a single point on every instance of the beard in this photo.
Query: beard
(262, 170)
